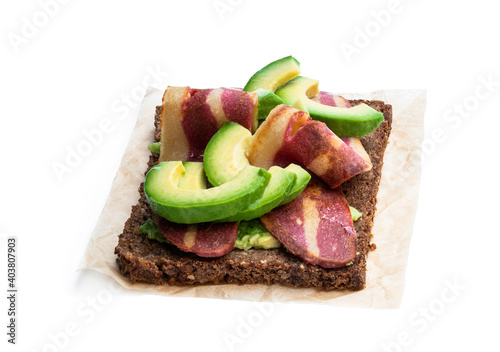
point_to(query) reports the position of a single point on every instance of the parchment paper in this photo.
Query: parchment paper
(393, 225)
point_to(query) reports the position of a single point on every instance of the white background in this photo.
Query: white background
(82, 65)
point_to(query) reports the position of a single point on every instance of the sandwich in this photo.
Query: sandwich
(272, 184)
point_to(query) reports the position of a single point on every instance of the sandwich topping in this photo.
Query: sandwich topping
(275, 155)
(191, 117)
(316, 227)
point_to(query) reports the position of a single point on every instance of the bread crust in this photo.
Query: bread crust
(145, 260)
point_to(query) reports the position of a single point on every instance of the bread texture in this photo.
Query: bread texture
(145, 260)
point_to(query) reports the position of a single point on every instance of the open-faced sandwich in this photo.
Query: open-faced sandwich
(273, 184)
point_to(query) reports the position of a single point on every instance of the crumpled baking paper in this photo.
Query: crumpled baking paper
(393, 224)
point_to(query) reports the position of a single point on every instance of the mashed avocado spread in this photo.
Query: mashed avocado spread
(155, 147)
(149, 229)
(252, 234)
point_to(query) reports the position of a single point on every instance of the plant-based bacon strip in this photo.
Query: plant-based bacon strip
(174, 144)
(289, 136)
(240, 107)
(331, 99)
(265, 146)
(316, 226)
(199, 123)
(191, 117)
(204, 239)
(357, 146)
(325, 154)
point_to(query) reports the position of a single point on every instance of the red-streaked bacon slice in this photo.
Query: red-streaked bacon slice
(289, 136)
(265, 146)
(174, 144)
(331, 99)
(316, 226)
(190, 117)
(204, 239)
(209, 109)
(355, 144)
(338, 101)
(240, 107)
(199, 124)
(321, 151)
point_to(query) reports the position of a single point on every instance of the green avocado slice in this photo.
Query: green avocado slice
(278, 188)
(303, 178)
(300, 104)
(224, 155)
(267, 101)
(194, 177)
(274, 75)
(189, 206)
(357, 121)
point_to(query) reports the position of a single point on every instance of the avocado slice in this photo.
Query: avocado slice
(225, 153)
(278, 188)
(267, 101)
(303, 178)
(189, 206)
(225, 157)
(300, 104)
(344, 122)
(194, 177)
(274, 75)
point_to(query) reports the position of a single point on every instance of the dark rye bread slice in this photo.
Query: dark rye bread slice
(150, 261)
